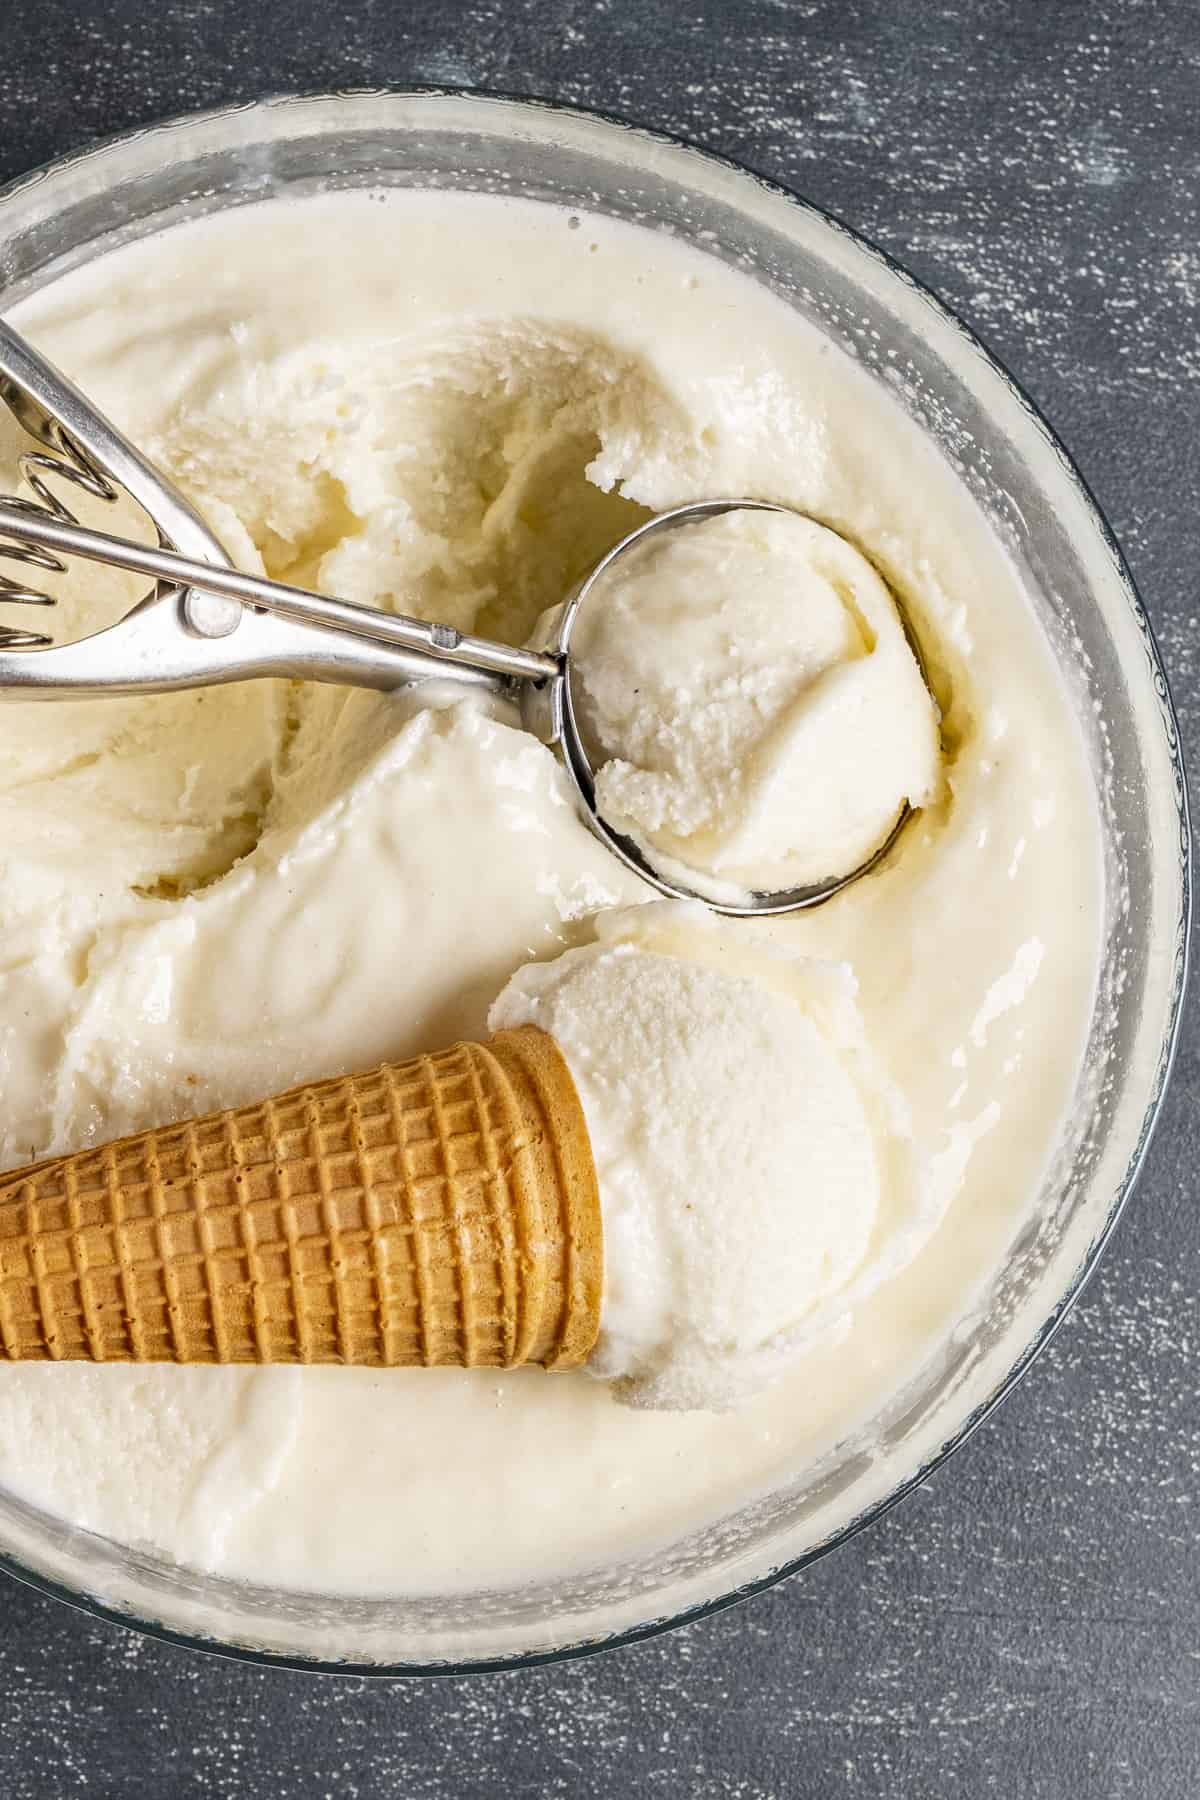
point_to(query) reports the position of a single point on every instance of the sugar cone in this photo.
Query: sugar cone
(438, 1211)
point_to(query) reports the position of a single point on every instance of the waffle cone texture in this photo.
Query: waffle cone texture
(438, 1211)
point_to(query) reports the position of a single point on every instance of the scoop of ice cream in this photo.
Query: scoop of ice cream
(748, 687)
(754, 1165)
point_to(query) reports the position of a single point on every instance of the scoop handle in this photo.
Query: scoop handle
(444, 649)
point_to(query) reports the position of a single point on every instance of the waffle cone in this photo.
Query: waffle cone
(438, 1211)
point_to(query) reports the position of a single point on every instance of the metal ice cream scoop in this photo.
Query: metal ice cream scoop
(205, 622)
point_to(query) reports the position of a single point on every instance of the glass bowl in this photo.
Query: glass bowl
(1022, 477)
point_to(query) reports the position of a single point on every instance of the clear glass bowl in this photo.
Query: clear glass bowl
(1024, 480)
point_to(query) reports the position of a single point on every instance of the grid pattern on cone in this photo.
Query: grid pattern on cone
(383, 1218)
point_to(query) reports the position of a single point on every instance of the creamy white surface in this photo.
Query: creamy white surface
(454, 405)
(756, 1170)
(764, 720)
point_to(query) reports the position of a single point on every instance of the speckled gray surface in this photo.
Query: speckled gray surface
(1028, 1624)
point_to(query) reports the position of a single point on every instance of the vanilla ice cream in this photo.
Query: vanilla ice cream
(759, 717)
(452, 404)
(757, 1175)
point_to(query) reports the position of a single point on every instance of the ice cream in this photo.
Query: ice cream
(452, 403)
(755, 1166)
(758, 714)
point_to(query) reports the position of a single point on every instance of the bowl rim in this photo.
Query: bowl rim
(547, 106)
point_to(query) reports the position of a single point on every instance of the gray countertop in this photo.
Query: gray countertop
(1028, 1623)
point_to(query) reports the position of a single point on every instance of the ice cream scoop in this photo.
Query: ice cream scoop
(754, 705)
(192, 632)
